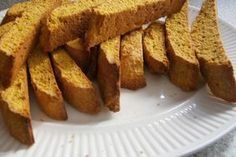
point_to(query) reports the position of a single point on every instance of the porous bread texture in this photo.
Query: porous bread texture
(78, 52)
(5, 28)
(154, 48)
(15, 11)
(75, 86)
(66, 23)
(45, 86)
(15, 108)
(214, 63)
(132, 64)
(16, 43)
(114, 18)
(184, 67)
(109, 73)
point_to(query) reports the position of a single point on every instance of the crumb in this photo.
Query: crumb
(41, 119)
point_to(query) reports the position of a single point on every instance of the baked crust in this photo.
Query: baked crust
(215, 65)
(109, 73)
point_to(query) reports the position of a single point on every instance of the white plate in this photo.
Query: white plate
(159, 120)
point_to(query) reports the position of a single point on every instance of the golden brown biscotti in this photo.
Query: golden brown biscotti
(15, 11)
(132, 66)
(184, 67)
(75, 86)
(66, 23)
(16, 44)
(5, 28)
(214, 63)
(115, 18)
(78, 52)
(45, 86)
(16, 108)
(154, 49)
(109, 73)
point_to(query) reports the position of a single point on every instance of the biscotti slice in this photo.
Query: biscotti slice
(115, 18)
(16, 43)
(78, 52)
(5, 28)
(109, 73)
(215, 65)
(184, 67)
(154, 48)
(15, 11)
(132, 66)
(16, 110)
(75, 86)
(45, 86)
(66, 23)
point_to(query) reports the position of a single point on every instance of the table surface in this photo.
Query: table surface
(224, 147)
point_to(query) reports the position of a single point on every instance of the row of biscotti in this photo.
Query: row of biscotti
(70, 21)
(188, 56)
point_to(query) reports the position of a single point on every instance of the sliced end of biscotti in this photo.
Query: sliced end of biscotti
(16, 109)
(154, 48)
(184, 68)
(45, 86)
(77, 89)
(109, 73)
(78, 52)
(132, 64)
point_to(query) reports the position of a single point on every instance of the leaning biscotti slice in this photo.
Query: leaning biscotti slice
(184, 67)
(16, 43)
(66, 23)
(5, 28)
(215, 65)
(114, 18)
(15, 11)
(78, 52)
(45, 86)
(16, 110)
(109, 73)
(154, 48)
(132, 64)
(75, 86)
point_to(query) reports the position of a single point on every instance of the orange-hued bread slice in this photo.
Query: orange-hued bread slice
(5, 28)
(132, 66)
(45, 86)
(16, 43)
(77, 89)
(184, 67)
(16, 108)
(67, 23)
(214, 63)
(78, 52)
(109, 73)
(15, 11)
(154, 48)
(18, 9)
(117, 17)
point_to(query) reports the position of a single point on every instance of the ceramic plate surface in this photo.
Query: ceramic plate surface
(158, 120)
